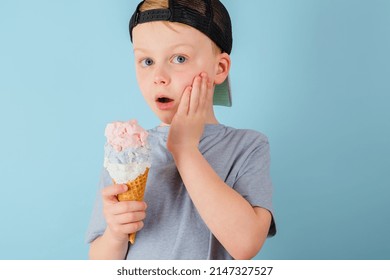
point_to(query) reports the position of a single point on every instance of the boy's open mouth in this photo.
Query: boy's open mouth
(164, 100)
(165, 103)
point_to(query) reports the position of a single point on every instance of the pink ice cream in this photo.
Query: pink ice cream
(126, 153)
(122, 135)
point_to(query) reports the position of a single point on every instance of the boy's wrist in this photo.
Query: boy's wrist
(184, 152)
(113, 240)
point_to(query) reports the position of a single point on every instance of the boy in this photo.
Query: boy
(208, 194)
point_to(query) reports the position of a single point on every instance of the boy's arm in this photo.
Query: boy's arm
(239, 227)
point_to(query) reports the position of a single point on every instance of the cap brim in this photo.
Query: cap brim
(222, 94)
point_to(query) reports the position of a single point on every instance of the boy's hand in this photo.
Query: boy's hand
(188, 123)
(122, 217)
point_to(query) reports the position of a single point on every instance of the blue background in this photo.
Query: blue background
(313, 75)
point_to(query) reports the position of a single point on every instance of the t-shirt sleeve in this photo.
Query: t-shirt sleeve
(97, 224)
(253, 180)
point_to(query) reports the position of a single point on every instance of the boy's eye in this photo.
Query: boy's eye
(179, 59)
(146, 62)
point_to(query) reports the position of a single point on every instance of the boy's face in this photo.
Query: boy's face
(168, 56)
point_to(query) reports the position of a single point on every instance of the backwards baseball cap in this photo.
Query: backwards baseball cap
(208, 16)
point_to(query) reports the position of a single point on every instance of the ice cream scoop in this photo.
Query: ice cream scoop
(126, 153)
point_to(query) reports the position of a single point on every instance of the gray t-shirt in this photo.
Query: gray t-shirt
(173, 228)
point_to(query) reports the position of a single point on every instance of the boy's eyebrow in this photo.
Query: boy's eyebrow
(170, 47)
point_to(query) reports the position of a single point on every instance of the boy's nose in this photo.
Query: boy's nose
(160, 77)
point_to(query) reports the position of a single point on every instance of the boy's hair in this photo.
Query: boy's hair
(153, 4)
(207, 16)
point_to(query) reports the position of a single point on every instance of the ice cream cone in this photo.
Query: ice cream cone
(135, 192)
(127, 159)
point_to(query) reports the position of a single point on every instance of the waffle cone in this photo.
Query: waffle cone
(135, 192)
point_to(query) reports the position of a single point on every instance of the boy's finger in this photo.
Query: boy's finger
(203, 90)
(133, 227)
(210, 92)
(131, 217)
(184, 102)
(109, 193)
(128, 207)
(195, 94)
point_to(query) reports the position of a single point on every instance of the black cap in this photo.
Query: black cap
(208, 16)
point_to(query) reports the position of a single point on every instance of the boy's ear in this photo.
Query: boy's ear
(223, 68)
